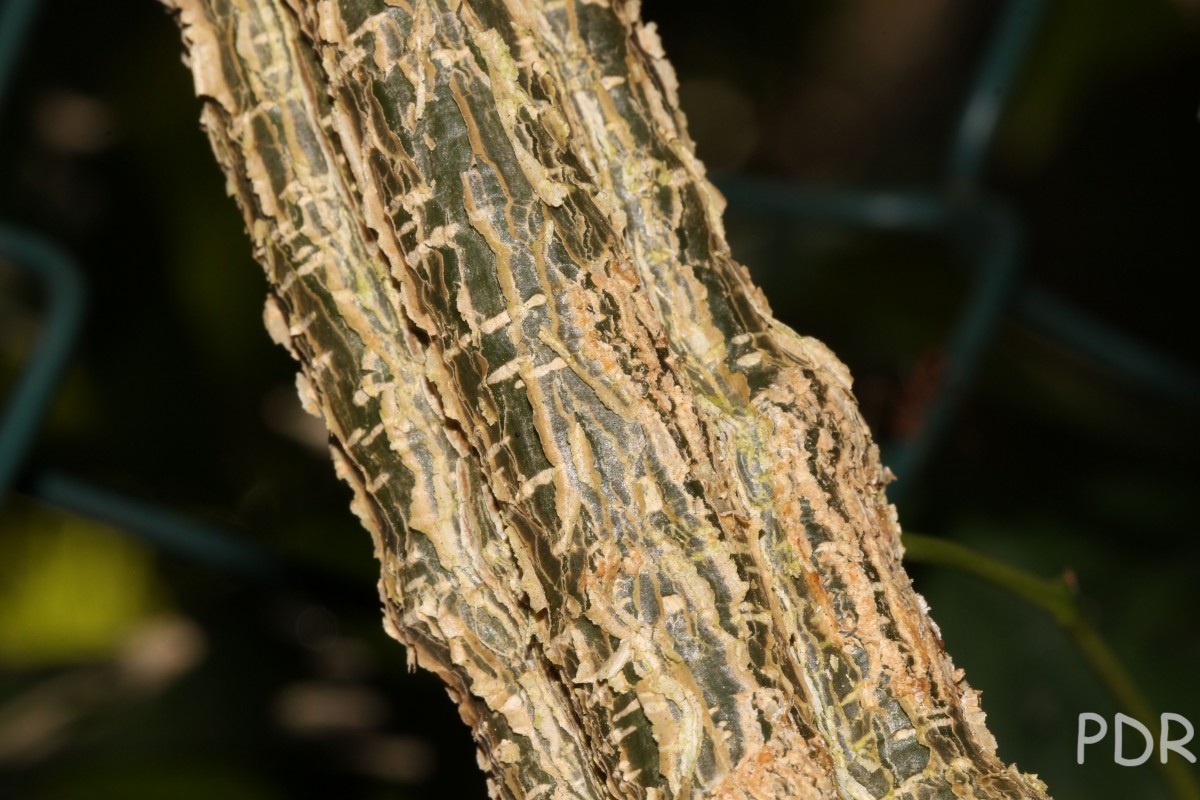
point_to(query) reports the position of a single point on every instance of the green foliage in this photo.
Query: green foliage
(70, 588)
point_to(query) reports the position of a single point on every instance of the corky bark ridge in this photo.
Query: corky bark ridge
(636, 525)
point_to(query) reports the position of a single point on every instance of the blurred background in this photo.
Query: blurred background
(141, 668)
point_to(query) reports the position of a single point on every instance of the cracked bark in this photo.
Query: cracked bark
(635, 524)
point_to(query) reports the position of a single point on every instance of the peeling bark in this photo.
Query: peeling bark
(635, 524)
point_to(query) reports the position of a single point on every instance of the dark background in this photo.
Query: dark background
(133, 673)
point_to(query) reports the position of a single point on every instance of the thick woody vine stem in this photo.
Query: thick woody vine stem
(634, 523)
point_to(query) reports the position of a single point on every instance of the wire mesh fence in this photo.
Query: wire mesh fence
(987, 235)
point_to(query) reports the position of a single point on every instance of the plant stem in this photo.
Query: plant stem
(1057, 598)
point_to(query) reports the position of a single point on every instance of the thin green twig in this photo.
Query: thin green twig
(1058, 599)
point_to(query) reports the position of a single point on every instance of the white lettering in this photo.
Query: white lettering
(1166, 743)
(1083, 738)
(1118, 750)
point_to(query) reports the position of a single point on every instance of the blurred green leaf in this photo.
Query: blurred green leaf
(70, 589)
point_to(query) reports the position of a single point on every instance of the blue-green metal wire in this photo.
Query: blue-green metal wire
(16, 18)
(998, 74)
(166, 530)
(985, 232)
(897, 211)
(991, 240)
(33, 396)
(990, 236)
(1050, 315)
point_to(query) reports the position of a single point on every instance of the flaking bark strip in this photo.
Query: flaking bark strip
(634, 523)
